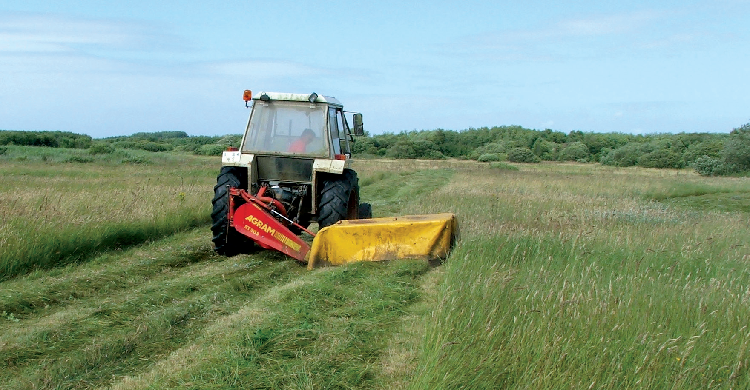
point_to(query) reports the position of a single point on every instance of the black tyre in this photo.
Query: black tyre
(339, 198)
(365, 211)
(227, 240)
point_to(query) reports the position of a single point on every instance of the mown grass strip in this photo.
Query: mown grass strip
(392, 192)
(111, 330)
(327, 329)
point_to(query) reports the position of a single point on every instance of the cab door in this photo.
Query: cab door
(339, 131)
(345, 138)
(335, 130)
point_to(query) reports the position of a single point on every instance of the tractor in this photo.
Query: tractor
(292, 168)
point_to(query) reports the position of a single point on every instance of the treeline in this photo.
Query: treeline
(161, 141)
(165, 141)
(708, 153)
(53, 139)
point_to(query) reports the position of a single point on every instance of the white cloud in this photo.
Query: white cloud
(56, 34)
(564, 38)
(266, 69)
(572, 28)
(605, 25)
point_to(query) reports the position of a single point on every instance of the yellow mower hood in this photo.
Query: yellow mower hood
(411, 236)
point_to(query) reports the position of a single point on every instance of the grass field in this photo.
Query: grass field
(55, 212)
(565, 276)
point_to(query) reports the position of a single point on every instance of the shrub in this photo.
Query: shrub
(503, 166)
(155, 147)
(401, 149)
(233, 140)
(136, 160)
(487, 157)
(710, 148)
(426, 149)
(491, 148)
(546, 150)
(709, 166)
(365, 145)
(624, 156)
(210, 150)
(522, 155)
(574, 151)
(101, 149)
(433, 155)
(660, 158)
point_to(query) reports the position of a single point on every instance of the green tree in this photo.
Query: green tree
(546, 150)
(522, 155)
(365, 145)
(736, 151)
(574, 151)
(402, 149)
(710, 148)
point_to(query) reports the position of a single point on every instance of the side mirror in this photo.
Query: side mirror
(359, 128)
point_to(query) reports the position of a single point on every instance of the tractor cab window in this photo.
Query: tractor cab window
(287, 128)
(334, 128)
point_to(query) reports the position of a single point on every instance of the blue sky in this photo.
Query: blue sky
(116, 68)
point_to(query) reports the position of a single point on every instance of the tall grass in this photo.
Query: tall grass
(58, 213)
(571, 279)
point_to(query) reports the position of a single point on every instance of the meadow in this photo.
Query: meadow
(63, 206)
(566, 275)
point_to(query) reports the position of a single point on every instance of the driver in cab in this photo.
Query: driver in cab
(300, 144)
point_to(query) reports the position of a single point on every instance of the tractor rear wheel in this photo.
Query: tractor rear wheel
(339, 198)
(226, 239)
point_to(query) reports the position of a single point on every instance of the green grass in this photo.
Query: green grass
(32, 154)
(503, 166)
(726, 195)
(567, 283)
(325, 330)
(566, 276)
(390, 192)
(56, 213)
(108, 318)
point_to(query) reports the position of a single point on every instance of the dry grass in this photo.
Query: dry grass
(53, 214)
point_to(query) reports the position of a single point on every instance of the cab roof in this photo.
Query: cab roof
(297, 97)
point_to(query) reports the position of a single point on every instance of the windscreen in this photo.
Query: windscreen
(287, 128)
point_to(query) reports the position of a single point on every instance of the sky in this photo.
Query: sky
(117, 68)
